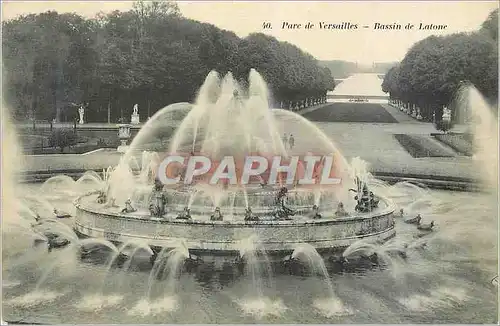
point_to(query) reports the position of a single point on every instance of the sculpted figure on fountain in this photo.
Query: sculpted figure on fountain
(128, 207)
(373, 200)
(316, 212)
(281, 211)
(185, 214)
(366, 200)
(415, 220)
(249, 215)
(158, 200)
(217, 215)
(363, 205)
(101, 197)
(341, 212)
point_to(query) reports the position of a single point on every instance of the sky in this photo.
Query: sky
(364, 45)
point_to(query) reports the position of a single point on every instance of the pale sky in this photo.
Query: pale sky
(361, 45)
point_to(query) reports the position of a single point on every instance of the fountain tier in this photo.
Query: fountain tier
(212, 239)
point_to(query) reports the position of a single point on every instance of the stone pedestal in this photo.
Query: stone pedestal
(124, 136)
(134, 119)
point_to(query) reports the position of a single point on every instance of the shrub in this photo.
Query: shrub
(62, 138)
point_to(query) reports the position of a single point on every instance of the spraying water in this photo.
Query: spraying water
(308, 254)
(174, 260)
(124, 249)
(69, 251)
(258, 268)
(484, 127)
(167, 301)
(329, 305)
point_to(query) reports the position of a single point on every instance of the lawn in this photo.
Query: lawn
(39, 144)
(75, 149)
(461, 143)
(422, 146)
(351, 112)
(36, 142)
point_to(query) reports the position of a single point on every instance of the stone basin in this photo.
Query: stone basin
(220, 240)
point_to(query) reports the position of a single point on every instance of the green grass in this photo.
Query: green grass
(76, 149)
(422, 146)
(461, 143)
(351, 112)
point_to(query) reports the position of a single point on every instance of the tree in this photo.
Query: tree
(434, 68)
(145, 10)
(150, 55)
(18, 68)
(490, 25)
(48, 63)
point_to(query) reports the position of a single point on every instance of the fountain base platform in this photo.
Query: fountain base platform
(220, 241)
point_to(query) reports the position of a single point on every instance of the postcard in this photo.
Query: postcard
(276, 162)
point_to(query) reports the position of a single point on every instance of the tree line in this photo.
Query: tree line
(150, 55)
(435, 68)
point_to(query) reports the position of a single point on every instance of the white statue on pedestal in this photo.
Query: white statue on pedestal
(445, 123)
(446, 114)
(135, 115)
(81, 112)
(419, 114)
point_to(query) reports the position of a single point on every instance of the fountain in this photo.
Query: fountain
(154, 262)
(228, 121)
